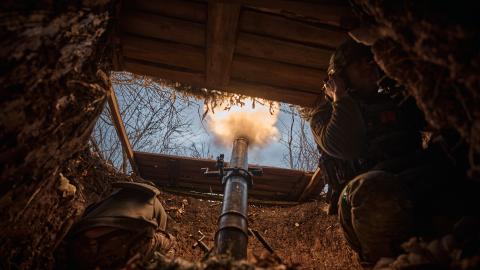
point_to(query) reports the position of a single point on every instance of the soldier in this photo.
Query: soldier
(377, 130)
(130, 221)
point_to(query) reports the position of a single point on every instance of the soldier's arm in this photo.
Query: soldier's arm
(341, 133)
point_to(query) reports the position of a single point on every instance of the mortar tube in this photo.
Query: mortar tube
(232, 234)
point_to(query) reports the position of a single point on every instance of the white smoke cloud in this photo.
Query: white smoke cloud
(256, 124)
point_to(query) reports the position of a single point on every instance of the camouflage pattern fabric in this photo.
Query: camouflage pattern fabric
(376, 214)
(131, 221)
(113, 250)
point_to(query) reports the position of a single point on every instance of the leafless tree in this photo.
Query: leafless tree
(155, 118)
(201, 150)
(301, 150)
(159, 120)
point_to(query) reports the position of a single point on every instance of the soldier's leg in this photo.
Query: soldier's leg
(111, 245)
(333, 206)
(376, 214)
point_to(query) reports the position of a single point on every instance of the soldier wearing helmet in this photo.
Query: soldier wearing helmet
(373, 131)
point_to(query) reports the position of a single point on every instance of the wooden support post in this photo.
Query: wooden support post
(316, 177)
(221, 38)
(120, 128)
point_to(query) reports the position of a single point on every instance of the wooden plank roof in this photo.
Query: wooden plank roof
(274, 49)
(185, 174)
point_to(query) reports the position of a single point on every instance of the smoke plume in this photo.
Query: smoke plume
(255, 124)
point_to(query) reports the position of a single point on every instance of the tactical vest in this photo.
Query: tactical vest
(392, 128)
(392, 132)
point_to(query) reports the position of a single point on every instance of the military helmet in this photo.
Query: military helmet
(346, 54)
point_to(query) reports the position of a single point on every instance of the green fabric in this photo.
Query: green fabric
(135, 221)
(340, 130)
(133, 207)
(353, 128)
(376, 214)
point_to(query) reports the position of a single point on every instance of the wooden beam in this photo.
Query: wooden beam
(156, 160)
(275, 182)
(278, 74)
(282, 51)
(331, 12)
(176, 62)
(192, 57)
(314, 181)
(194, 33)
(164, 72)
(283, 28)
(300, 97)
(291, 96)
(162, 27)
(181, 9)
(221, 38)
(163, 52)
(120, 128)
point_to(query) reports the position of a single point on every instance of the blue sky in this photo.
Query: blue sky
(270, 155)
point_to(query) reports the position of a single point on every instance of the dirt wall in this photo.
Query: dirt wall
(54, 80)
(433, 49)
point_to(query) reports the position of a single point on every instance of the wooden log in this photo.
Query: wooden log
(164, 52)
(221, 38)
(287, 29)
(278, 74)
(282, 51)
(272, 187)
(162, 27)
(120, 128)
(152, 159)
(189, 170)
(291, 96)
(331, 12)
(164, 72)
(254, 89)
(192, 58)
(186, 10)
(188, 174)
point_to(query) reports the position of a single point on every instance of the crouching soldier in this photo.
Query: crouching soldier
(130, 221)
(391, 195)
